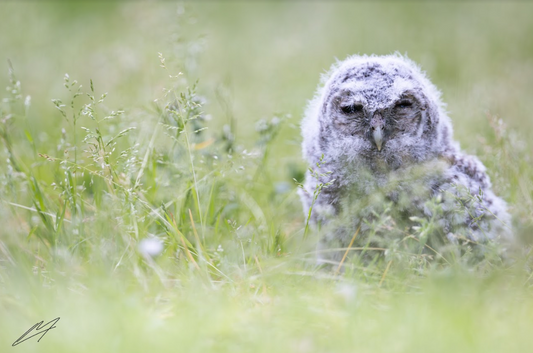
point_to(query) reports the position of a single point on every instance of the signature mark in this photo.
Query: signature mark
(37, 327)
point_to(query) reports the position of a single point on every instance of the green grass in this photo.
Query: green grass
(198, 147)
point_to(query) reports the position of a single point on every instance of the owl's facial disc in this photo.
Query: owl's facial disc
(384, 125)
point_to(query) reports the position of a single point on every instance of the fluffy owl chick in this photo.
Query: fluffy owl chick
(377, 126)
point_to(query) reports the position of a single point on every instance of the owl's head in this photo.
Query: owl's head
(376, 108)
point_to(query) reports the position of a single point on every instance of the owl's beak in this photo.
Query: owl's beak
(377, 129)
(378, 136)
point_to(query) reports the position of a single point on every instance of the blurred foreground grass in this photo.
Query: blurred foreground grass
(206, 169)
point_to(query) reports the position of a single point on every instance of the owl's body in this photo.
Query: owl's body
(378, 126)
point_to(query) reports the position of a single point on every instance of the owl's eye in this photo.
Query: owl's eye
(352, 108)
(403, 104)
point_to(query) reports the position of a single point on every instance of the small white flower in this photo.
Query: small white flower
(151, 247)
(347, 291)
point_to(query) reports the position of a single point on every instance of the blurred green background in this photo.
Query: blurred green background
(267, 56)
(254, 60)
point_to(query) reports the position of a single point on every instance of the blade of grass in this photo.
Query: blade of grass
(348, 249)
(385, 273)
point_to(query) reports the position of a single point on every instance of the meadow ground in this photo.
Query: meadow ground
(179, 123)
